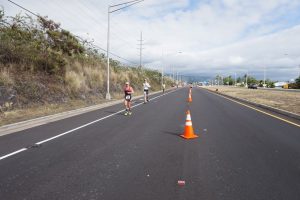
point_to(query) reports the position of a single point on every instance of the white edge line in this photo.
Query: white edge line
(13, 153)
(80, 127)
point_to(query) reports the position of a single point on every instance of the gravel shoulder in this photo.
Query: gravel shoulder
(288, 101)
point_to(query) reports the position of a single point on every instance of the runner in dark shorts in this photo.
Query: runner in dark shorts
(128, 91)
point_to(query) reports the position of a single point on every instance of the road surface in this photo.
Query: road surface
(240, 154)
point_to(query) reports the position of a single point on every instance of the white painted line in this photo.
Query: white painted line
(80, 127)
(258, 110)
(13, 153)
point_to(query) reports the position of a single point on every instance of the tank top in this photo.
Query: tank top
(127, 90)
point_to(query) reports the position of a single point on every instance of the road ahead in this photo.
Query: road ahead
(240, 154)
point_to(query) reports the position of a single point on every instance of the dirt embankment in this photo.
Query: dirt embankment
(288, 101)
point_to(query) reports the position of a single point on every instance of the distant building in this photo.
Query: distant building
(280, 84)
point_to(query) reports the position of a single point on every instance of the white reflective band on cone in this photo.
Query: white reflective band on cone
(188, 117)
(188, 123)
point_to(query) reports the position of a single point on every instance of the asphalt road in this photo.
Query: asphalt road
(240, 154)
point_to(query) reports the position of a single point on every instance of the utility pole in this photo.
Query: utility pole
(235, 79)
(247, 79)
(141, 48)
(264, 77)
(162, 76)
(173, 74)
(111, 9)
(162, 68)
(108, 97)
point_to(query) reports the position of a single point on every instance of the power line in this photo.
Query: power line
(24, 8)
(92, 18)
(117, 27)
(114, 54)
(84, 9)
(126, 5)
(141, 47)
(95, 20)
(82, 40)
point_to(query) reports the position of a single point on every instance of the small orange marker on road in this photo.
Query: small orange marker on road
(190, 97)
(181, 183)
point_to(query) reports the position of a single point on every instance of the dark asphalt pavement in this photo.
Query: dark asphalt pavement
(240, 154)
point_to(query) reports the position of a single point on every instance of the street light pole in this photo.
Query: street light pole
(172, 76)
(118, 7)
(108, 97)
(162, 76)
(264, 77)
(177, 78)
(247, 79)
(235, 79)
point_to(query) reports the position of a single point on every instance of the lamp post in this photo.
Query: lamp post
(115, 8)
(264, 77)
(235, 79)
(246, 79)
(163, 56)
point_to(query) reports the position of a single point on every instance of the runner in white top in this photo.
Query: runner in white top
(146, 86)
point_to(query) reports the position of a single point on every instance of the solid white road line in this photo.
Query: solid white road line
(13, 153)
(80, 127)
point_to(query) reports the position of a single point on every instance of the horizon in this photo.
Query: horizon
(213, 37)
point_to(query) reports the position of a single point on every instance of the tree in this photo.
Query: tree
(297, 83)
(250, 79)
(228, 80)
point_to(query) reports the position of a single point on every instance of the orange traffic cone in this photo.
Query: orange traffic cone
(188, 129)
(190, 97)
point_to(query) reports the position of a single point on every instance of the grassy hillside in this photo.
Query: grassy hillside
(43, 64)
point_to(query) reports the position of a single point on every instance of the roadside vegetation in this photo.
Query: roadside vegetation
(285, 100)
(241, 81)
(43, 64)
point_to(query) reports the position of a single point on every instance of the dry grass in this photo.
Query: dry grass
(75, 81)
(82, 79)
(84, 84)
(5, 78)
(18, 115)
(289, 101)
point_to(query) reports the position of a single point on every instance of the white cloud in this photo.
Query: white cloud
(216, 36)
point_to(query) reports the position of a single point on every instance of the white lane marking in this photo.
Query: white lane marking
(256, 109)
(80, 127)
(13, 153)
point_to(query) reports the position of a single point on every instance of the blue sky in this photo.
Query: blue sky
(214, 36)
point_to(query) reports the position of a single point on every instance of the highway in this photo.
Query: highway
(240, 154)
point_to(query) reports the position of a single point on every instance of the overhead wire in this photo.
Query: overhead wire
(97, 46)
(113, 22)
(124, 44)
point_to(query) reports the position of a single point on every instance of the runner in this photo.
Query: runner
(163, 87)
(127, 98)
(146, 90)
